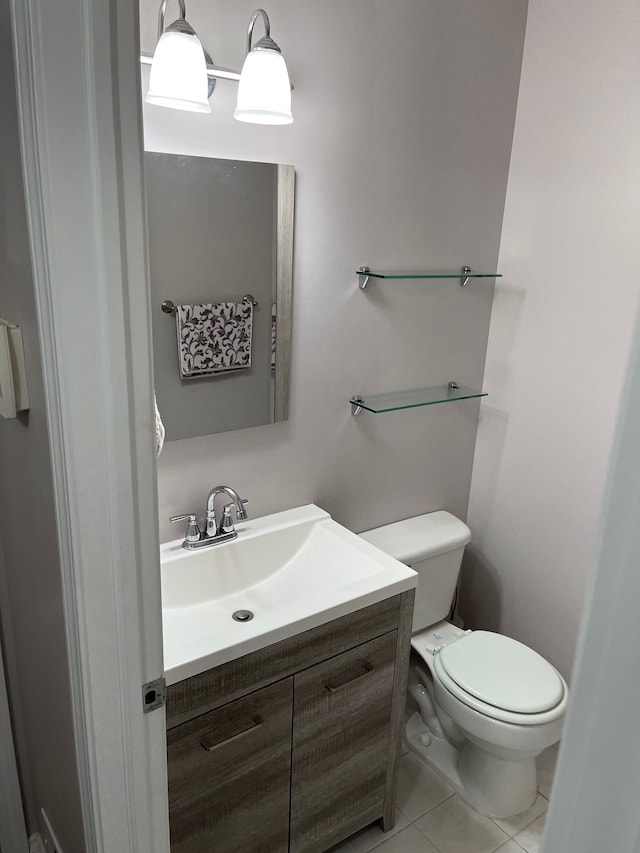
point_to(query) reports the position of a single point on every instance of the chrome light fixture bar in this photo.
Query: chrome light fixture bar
(183, 75)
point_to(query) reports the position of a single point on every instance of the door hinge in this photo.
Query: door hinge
(154, 694)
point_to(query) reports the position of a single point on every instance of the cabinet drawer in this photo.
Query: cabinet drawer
(215, 687)
(229, 776)
(341, 725)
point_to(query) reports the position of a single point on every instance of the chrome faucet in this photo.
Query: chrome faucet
(226, 524)
(216, 530)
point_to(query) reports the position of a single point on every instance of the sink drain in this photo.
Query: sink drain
(242, 616)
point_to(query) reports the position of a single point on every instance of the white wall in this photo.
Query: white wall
(401, 142)
(31, 606)
(561, 326)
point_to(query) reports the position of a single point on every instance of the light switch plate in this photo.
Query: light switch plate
(14, 396)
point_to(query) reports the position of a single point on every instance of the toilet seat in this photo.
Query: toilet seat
(501, 678)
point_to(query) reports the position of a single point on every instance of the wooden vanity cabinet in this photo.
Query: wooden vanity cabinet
(293, 747)
(341, 732)
(229, 776)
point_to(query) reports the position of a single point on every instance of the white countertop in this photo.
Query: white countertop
(321, 572)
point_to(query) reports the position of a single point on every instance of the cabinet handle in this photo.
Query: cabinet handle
(333, 688)
(257, 721)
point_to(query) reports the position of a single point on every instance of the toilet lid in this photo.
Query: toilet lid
(502, 672)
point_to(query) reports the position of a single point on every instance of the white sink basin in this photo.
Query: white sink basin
(293, 570)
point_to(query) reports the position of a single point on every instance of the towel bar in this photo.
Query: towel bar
(169, 307)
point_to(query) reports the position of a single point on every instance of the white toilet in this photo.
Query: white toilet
(487, 704)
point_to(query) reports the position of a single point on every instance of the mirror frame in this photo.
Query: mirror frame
(282, 248)
(284, 290)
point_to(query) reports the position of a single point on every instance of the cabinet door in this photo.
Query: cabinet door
(341, 722)
(229, 776)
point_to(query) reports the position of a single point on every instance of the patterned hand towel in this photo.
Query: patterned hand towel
(213, 338)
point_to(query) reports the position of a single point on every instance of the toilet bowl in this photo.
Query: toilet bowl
(487, 703)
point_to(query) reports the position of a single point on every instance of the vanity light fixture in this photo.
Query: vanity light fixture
(183, 75)
(264, 91)
(178, 76)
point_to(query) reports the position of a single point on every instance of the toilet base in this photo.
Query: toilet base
(493, 786)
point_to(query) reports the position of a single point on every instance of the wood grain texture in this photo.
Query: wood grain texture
(284, 290)
(399, 699)
(213, 688)
(341, 726)
(229, 776)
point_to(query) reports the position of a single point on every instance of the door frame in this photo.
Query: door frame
(594, 805)
(79, 104)
(13, 832)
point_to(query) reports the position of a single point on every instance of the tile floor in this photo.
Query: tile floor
(433, 819)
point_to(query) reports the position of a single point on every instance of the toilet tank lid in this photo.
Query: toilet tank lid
(420, 537)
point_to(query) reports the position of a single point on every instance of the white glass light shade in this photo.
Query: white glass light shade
(179, 74)
(264, 91)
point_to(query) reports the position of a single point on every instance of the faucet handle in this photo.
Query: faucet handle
(193, 531)
(240, 513)
(226, 522)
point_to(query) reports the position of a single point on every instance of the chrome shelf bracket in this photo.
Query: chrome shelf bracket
(465, 276)
(355, 408)
(363, 277)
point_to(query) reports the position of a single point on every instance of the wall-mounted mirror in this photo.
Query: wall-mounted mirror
(220, 232)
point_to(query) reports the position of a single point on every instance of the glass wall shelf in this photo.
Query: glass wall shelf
(396, 400)
(464, 274)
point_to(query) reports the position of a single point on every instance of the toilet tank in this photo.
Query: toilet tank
(432, 545)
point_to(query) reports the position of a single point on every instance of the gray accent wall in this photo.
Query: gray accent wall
(404, 116)
(31, 605)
